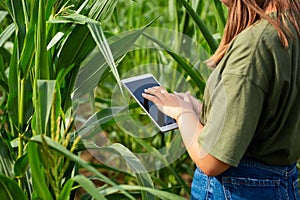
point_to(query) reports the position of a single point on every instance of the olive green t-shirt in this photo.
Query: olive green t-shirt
(251, 103)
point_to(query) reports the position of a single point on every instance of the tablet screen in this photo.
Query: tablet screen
(136, 86)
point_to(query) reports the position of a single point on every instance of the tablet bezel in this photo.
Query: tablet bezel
(165, 128)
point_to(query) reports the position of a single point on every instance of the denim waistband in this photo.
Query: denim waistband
(281, 169)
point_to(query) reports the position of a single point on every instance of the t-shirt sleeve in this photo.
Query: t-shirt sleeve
(235, 107)
(235, 95)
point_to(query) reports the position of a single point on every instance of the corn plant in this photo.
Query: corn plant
(39, 147)
(182, 17)
(54, 52)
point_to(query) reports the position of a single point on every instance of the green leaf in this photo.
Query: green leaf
(6, 160)
(98, 119)
(13, 84)
(104, 48)
(66, 190)
(89, 187)
(188, 68)
(102, 10)
(49, 7)
(17, 14)
(46, 90)
(40, 187)
(163, 195)
(3, 84)
(135, 165)
(56, 146)
(9, 189)
(219, 7)
(27, 53)
(77, 46)
(95, 66)
(21, 166)
(3, 14)
(6, 34)
(201, 25)
(41, 62)
(162, 158)
(74, 18)
(74, 50)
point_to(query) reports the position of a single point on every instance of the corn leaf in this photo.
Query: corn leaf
(66, 190)
(3, 15)
(6, 160)
(102, 10)
(56, 146)
(206, 33)
(40, 188)
(186, 66)
(163, 195)
(6, 34)
(13, 84)
(17, 14)
(46, 90)
(162, 159)
(104, 48)
(21, 166)
(89, 187)
(134, 164)
(9, 189)
(95, 66)
(219, 7)
(41, 62)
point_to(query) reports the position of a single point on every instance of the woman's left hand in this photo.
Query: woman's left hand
(167, 103)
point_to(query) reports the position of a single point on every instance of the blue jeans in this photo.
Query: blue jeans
(250, 180)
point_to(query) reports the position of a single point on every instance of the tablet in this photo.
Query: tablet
(136, 86)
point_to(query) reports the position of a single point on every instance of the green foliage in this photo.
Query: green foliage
(54, 54)
(9, 189)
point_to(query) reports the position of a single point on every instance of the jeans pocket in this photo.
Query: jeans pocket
(237, 188)
(296, 189)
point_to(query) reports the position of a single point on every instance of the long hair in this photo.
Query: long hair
(244, 13)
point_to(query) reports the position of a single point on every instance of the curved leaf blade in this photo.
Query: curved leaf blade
(7, 33)
(156, 192)
(38, 177)
(10, 190)
(89, 187)
(104, 48)
(207, 35)
(6, 160)
(188, 68)
(58, 147)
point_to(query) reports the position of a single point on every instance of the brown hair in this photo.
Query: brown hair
(244, 13)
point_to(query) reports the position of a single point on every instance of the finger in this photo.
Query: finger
(159, 88)
(158, 92)
(180, 95)
(152, 98)
(187, 98)
(196, 104)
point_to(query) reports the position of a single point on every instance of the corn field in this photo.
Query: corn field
(68, 128)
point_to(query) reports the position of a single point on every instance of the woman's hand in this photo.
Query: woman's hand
(180, 107)
(197, 105)
(170, 104)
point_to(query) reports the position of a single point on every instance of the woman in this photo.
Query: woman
(247, 140)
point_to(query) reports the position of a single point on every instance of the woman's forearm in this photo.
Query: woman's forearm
(190, 129)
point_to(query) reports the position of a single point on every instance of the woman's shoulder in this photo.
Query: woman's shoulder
(250, 54)
(262, 31)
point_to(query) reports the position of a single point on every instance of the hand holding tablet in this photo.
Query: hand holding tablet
(136, 86)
